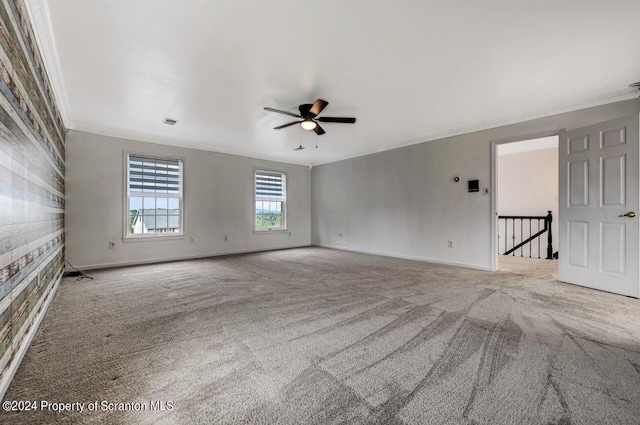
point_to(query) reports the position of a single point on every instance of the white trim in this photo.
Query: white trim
(40, 17)
(269, 232)
(182, 258)
(153, 237)
(407, 257)
(493, 226)
(12, 368)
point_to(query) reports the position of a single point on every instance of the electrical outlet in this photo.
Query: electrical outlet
(450, 244)
(485, 190)
(112, 245)
(226, 238)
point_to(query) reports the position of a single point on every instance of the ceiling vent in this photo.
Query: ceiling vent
(169, 121)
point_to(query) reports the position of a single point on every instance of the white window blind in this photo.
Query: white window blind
(270, 186)
(270, 200)
(154, 197)
(150, 175)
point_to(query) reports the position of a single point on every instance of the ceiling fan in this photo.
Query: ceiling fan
(309, 114)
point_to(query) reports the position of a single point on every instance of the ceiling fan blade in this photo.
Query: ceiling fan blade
(286, 125)
(319, 131)
(317, 107)
(337, 119)
(282, 112)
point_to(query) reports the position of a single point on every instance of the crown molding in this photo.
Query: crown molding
(40, 17)
(91, 128)
(98, 130)
(618, 96)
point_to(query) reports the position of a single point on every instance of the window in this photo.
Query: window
(271, 200)
(154, 197)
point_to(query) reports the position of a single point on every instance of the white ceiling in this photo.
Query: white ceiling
(409, 71)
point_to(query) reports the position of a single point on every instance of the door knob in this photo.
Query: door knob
(630, 214)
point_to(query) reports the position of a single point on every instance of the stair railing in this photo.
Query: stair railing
(539, 224)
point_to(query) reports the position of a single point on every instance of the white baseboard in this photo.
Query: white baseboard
(180, 258)
(407, 257)
(12, 368)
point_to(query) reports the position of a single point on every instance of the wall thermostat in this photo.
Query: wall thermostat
(474, 185)
(456, 179)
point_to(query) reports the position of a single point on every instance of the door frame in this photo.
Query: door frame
(493, 193)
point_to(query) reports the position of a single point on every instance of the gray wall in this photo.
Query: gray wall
(404, 202)
(218, 199)
(31, 188)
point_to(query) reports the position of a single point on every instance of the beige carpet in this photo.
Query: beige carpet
(316, 336)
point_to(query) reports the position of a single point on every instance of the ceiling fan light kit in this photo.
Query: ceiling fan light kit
(309, 115)
(308, 124)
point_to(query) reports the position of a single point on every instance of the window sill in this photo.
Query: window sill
(128, 239)
(268, 232)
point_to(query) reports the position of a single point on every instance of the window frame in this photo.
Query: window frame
(126, 236)
(284, 227)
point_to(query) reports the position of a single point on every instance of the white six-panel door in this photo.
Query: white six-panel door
(598, 195)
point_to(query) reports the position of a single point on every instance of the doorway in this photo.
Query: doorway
(525, 188)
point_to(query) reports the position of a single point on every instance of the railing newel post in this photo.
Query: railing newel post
(548, 222)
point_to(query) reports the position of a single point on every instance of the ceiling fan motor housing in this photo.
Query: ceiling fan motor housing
(304, 109)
